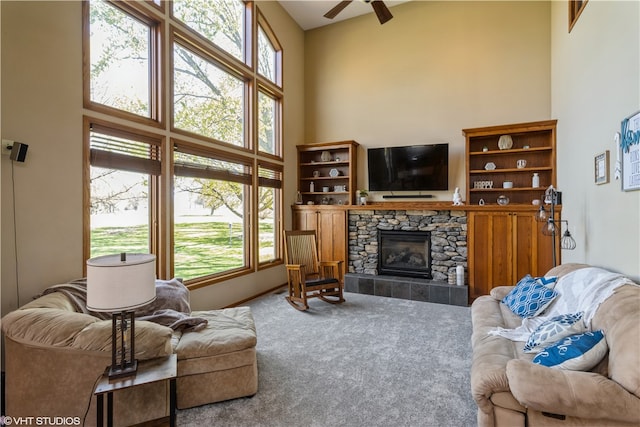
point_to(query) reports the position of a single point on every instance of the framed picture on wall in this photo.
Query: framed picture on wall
(601, 164)
(575, 9)
(630, 151)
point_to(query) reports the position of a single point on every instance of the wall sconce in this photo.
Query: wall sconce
(552, 226)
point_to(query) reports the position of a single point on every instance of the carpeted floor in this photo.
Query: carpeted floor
(371, 361)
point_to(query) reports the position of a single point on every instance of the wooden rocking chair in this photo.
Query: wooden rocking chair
(307, 276)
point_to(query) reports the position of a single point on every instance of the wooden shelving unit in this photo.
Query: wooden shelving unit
(330, 165)
(505, 242)
(533, 142)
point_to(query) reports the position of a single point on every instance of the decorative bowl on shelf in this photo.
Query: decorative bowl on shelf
(503, 200)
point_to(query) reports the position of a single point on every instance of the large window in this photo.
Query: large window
(266, 56)
(220, 21)
(123, 184)
(269, 52)
(269, 215)
(211, 196)
(207, 99)
(267, 123)
(122, 69)
(208, 204)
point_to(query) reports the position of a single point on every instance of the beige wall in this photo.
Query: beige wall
(596, 83)
(42, 107)
(434, 69)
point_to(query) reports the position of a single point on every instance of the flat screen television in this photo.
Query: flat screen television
(409, 168)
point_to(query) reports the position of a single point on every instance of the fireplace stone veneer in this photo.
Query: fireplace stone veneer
(448, 237)
(448, 246)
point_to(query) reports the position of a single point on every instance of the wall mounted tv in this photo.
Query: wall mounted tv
(409, 168)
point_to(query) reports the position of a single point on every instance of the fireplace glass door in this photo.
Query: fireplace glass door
(404, 253)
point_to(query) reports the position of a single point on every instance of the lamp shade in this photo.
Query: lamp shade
(114, 284)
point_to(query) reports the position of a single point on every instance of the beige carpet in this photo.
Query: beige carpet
(371, 361)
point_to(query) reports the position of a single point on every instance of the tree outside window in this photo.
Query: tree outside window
(219, 21)
(120, 59)
(208, 100)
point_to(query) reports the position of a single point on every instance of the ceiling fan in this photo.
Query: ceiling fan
(382, 11)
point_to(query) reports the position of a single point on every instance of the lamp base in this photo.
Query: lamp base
(115, 372)
(123, 362)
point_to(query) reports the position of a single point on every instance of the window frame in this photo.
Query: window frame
(220, 51)
(215, 154)
(166, 31)
(189, 43)
(270, 34)
(278, 123)
(156, 64)
(278, 206)
(156, 186)
(274, 89)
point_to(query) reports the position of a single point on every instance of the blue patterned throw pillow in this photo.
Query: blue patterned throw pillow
(529, 298)
(553, 330)
(576, 352)
(549, 282)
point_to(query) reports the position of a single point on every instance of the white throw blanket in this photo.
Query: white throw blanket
(581, 290)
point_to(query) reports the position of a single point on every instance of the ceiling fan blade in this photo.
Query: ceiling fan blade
(382, 11)
(337, 9)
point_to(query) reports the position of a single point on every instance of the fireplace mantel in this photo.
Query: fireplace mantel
(439, 206)
(432, 206)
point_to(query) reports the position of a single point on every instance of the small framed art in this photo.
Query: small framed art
(601, 164)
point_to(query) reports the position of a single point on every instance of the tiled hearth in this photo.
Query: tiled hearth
(407, 288)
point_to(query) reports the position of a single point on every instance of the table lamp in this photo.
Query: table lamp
(119, 284)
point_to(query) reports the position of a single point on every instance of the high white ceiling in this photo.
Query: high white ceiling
(310, 13)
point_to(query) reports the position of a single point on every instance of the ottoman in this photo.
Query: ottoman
(219, 362)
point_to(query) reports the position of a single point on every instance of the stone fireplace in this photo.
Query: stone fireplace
(440, 247)
(404, 253)
(448, 233)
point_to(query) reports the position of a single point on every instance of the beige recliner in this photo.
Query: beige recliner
(512, 391)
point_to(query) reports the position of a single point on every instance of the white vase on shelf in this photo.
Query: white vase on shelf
(535, 181)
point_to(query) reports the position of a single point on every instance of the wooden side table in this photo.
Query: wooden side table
(149, 371)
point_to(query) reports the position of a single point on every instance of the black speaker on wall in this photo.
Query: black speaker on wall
(19, 151)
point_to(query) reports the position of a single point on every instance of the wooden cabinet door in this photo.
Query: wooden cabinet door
(504, 247)
(331, 230)
(490, 251)
(525, 244)
(533, 250)
(304, 219)
(332, 235)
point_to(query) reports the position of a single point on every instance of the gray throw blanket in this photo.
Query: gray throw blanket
(170, 308)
